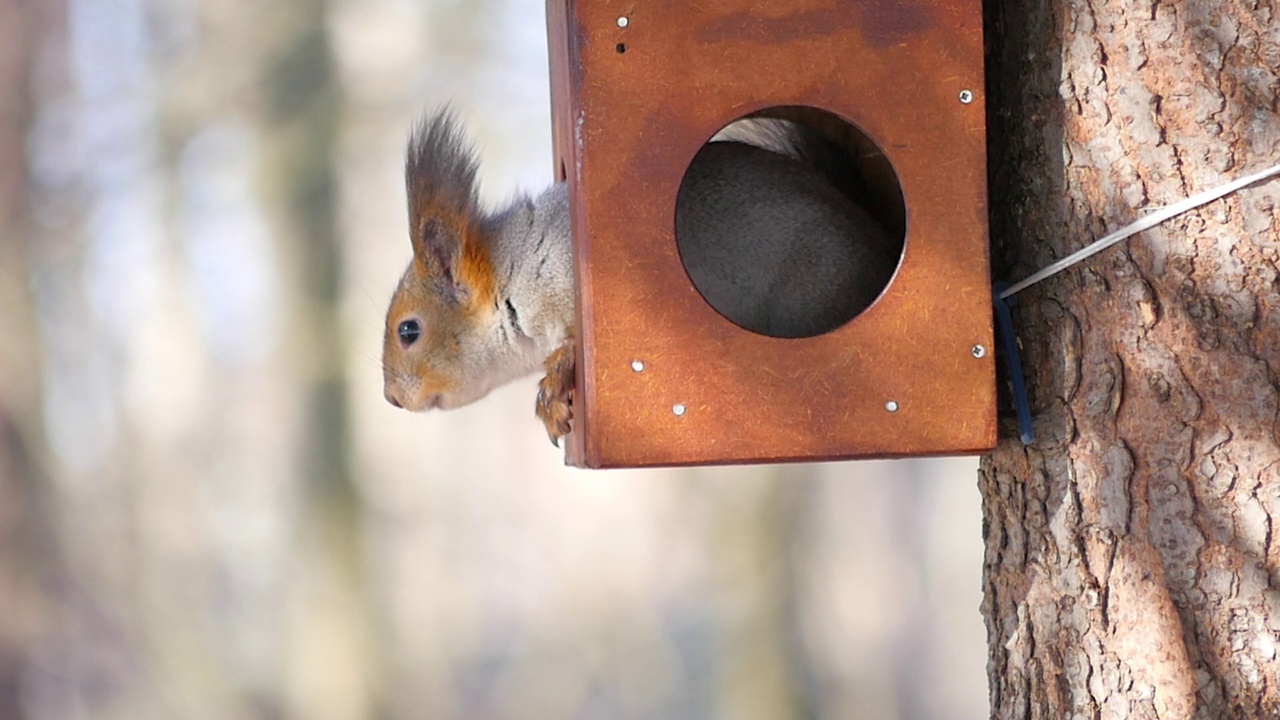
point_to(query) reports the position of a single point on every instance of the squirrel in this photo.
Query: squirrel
(488, 297)
(764, 224)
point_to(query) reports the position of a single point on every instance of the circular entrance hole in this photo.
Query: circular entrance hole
(790, 222)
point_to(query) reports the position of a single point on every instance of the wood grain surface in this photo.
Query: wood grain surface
(632, 105)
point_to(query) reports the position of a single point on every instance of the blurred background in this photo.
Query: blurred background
(207, 510)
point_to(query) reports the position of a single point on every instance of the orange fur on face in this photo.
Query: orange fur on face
(430, 384)
(412, 375)
(476, 273)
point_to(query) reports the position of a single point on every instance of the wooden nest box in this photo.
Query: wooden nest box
(638, 87)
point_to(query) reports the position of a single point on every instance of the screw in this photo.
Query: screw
(979, 351)
(677, 409)
(637, 365)
(966, 96)
(891, 406)
(622, 21)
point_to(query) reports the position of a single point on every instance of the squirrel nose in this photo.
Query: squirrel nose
(391, 398)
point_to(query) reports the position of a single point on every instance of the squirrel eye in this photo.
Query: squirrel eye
(409, 331)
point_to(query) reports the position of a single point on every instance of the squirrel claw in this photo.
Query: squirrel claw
(555, 393)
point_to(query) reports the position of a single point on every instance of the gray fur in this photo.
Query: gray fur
(534, 258)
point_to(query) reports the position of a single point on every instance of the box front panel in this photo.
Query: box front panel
(664, 379)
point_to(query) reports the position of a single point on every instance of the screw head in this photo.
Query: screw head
(637, 365)
(966, 96)
(678, 409)
(979, 351)
(623, 21)
(891, 406)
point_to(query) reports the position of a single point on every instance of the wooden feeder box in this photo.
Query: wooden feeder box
(637, 87)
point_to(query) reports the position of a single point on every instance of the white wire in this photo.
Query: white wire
(1149, 221)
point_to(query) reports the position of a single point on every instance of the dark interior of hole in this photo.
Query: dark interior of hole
(791, 224)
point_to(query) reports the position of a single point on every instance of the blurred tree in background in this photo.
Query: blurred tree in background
(208, 511)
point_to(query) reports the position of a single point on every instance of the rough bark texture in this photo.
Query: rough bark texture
(1131, 565)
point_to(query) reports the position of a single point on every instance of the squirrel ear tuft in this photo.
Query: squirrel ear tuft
(440, 181)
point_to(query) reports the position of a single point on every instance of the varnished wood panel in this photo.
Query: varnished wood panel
(633, 104)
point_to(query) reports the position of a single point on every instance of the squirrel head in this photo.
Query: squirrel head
(443, 331)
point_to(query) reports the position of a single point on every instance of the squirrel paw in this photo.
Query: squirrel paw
(555, 393)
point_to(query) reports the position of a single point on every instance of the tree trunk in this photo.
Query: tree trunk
(1130, 558)
(30, 558)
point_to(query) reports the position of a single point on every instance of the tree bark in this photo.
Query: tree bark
(1131, 564)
